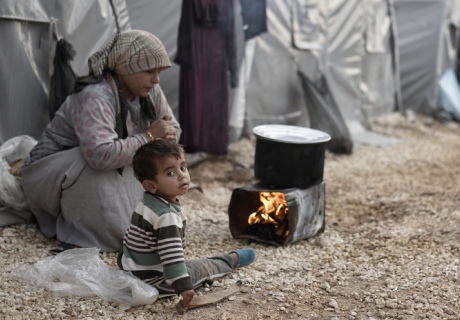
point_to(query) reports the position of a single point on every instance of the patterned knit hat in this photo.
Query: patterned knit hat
(130, 52)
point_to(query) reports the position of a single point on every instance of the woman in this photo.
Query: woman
(78, 179)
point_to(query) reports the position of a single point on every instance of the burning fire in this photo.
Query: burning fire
(274, 210)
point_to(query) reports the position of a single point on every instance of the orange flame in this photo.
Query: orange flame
(274, 209)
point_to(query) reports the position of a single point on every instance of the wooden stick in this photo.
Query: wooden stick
(209, 299)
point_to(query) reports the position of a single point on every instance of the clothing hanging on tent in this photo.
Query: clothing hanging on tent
(63, 78)
(254, 17)
(206, 49)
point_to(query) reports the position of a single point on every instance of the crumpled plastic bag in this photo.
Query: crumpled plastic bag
(83, 273)
(17, 148)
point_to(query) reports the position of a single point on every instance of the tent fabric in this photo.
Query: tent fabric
(326, 116)
(237, 113)
(274, 94)
(352, 53)
(423, 50)
(27, 35)
(35, 11)
(308, 24)
(24, 77)
(377, 87)
(343, 58)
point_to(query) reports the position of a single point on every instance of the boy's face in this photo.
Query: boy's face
(172, 179)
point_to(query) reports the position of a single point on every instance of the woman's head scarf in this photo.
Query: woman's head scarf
(130, 52)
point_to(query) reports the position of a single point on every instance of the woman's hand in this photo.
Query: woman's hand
(162, 129)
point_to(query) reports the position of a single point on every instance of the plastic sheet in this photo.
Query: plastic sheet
(83, 273)
(17, 148)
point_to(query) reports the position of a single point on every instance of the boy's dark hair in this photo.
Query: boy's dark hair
(144, 158)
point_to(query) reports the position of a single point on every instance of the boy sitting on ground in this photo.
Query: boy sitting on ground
(153, 246)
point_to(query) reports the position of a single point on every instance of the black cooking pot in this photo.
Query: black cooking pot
(289, 156)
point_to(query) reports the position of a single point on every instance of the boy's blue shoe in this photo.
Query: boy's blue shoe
(246, 256)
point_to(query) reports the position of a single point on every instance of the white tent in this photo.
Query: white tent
(331, 65)
(29, 39)
(428, 40)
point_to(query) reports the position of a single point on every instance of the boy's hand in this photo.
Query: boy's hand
(187, 296)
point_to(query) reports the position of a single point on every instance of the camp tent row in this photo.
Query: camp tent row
(330, 65)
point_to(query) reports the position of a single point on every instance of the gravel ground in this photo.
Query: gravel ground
(390, 249)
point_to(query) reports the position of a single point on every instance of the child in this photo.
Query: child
(153, 246)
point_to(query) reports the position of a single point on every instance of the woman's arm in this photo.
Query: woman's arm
(94, 124)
